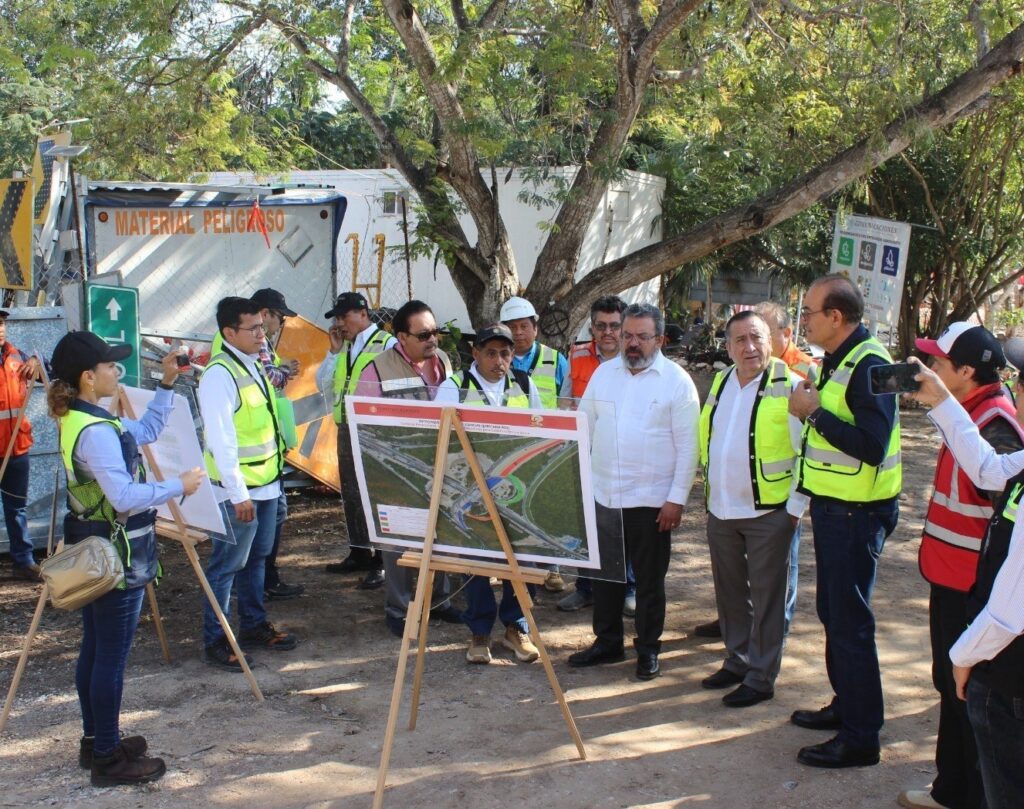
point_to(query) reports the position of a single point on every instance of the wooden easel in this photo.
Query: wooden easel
(188, 538)
(418, 615)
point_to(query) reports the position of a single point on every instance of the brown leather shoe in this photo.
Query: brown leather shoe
(117, 769)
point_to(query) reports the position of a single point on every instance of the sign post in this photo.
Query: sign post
(113, 314)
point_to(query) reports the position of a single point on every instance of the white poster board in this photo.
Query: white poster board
(872, 253)
(536, 463)
(177, 450)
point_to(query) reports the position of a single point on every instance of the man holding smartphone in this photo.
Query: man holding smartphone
(967, 359)
(850, 466)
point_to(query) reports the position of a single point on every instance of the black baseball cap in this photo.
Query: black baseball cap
(4, 314)
(79, 351)
(273, 300)
(495, 331)
(1014, 351)
(347, 301)
(966, 344)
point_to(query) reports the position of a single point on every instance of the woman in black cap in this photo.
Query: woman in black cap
(108, 496)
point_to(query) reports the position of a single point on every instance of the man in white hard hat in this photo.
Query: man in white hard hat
(548, 369)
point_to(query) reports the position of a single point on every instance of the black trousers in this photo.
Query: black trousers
(648, 550)
(958, 782)
(355, 519)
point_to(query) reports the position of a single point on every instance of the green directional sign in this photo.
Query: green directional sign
(113, 314)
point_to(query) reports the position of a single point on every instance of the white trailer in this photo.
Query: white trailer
(186, 246)
(372, 238)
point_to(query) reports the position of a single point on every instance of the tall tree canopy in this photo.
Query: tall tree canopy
(757, 110)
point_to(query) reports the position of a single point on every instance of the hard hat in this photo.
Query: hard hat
(516, 308)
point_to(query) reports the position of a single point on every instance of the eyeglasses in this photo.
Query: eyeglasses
(253, 330)
(638, 338)
(425, 335)
(601, 328)
(806, 313)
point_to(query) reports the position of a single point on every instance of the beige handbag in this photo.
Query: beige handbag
(80, 573)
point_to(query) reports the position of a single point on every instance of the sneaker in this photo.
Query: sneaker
(283, 592)
(221, 654)
(575, 601)
(919, 799)
(134, 747)
(629, 605)
(117, 769)
(515, 640)
(554, 583)
(267, 637)
(479, 650)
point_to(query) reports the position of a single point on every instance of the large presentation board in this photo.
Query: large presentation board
(537, 465)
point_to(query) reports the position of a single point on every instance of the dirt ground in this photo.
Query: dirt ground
(487, 736)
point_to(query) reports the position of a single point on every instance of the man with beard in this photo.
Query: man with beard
(643, 411)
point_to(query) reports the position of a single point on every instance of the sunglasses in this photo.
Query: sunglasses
(423, 336)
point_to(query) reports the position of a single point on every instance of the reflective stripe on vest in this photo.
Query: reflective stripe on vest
(260, 445)
(826, 471)
(543, 371)
(85, 497)
(1010, 511)
(472, 393)
(958, 514)
(770, 450)
(346, 375)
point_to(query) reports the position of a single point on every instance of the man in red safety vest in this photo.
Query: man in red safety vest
(967, 358)
(16, 372)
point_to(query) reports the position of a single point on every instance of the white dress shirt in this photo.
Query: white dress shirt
(449, 392)
(643, 430)
(731, 491)
(1001, 620)
(218, 400)
(325, 373)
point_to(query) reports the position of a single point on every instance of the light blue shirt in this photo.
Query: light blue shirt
(98, 457)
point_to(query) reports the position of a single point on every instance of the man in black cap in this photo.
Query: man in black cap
(16, 370)
(355, 342)
(274, 310)
(967, 359)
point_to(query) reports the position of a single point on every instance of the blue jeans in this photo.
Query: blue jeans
(244, 564)
(271, 577)
(794, 578)
(848, 540)
(108, 627)
(482, 608)
(14, 495)
(998, 723)
(585, 584)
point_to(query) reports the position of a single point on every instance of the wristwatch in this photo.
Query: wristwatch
(812, 418)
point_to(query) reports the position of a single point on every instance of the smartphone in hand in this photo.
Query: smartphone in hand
(894, 379)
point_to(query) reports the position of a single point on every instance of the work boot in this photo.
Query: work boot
(134, 747)
(117, 769)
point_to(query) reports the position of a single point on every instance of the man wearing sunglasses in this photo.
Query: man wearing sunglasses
(412, 368)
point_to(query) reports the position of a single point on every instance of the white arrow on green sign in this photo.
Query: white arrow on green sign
(113, 314)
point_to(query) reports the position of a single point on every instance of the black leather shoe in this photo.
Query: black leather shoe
(745, 696)
(352, 563)
(596, 655)
(283, 592)
(712, 629)
(823, 719)
(722, 678)
(373, 580)
(395, 625)
(834, 754)
(647, 667)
